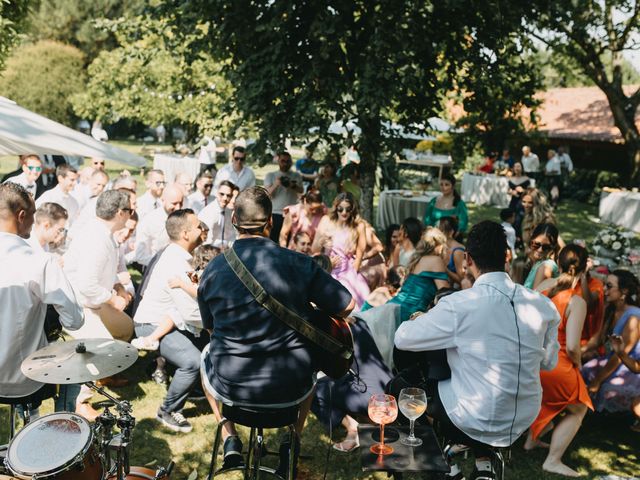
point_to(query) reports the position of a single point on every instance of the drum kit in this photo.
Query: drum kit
(65, 446)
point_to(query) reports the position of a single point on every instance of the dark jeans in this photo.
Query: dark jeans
(181, 349)
(278, 220)
(447, 428)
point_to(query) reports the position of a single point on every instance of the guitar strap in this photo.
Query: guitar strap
(288, 316)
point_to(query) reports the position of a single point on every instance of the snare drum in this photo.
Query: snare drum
(59, 445)
(140, 473)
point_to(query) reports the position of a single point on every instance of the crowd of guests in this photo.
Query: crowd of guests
(88, 231)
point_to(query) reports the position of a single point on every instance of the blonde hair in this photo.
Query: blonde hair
(431, 239)
(540, 213)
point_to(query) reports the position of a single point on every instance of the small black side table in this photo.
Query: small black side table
(426, 458)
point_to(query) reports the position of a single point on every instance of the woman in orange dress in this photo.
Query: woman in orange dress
(563, 389)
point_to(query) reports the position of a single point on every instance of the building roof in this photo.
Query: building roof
(580, 113)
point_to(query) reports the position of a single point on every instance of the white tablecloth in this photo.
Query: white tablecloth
(174, 164)
(487, 189)
(396, 205)
(621, 208)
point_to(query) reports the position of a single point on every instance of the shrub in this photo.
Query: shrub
(42, 77)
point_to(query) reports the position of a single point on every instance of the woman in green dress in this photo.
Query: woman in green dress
(542, 252)
(427, 274)
(449, 204)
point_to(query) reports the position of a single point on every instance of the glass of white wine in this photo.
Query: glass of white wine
(412, 403)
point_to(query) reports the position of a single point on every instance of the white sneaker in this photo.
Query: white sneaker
(144, 343)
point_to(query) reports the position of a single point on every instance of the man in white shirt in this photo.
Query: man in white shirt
(530, 162)
(151, 199)
(236, 172)
(49, 227)
(553, 172)
(184, 181)
(202, 196)
(31, 171)
(179, 347)
(61, 193)
(31, 279)
(565, 160)
(497, 336)
(284, 186)
(217, 216)
(92, 185)
(151, 236)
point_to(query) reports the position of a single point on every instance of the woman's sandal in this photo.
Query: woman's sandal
(349, 444)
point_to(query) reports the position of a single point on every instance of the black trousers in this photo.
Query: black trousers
(278, 220)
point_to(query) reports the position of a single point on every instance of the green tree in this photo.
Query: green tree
(42, 77)
(12, 15)
(74, 22)
(303, 64)
(150, 78)
(595, 35)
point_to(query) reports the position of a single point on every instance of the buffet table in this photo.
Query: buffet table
(487, 189)
(621, 208)
(174, 164)
(396, 205)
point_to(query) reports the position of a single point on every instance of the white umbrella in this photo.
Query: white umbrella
(23, 131)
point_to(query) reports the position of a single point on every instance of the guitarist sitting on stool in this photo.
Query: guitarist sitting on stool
(254, 358)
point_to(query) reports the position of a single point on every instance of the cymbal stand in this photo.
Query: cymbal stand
(121, 442)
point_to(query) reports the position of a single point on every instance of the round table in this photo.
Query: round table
(396, 205)
(621, 208)
(487, 189)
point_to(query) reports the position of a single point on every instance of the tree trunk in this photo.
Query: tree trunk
(369, 151)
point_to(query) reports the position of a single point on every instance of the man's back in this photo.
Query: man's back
(255, 358)
(495, 352)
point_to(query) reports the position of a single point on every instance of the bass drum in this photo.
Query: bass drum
(59, 445)
(140, 473)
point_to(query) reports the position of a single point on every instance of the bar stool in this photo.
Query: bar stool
(257, 419)
(499, 456)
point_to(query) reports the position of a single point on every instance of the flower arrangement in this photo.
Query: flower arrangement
(611, 242)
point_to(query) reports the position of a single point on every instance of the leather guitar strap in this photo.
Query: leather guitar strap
(288, 316)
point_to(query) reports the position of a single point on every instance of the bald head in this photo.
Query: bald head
(172, 197)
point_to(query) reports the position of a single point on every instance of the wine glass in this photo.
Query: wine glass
(383, 409)
(413, 403)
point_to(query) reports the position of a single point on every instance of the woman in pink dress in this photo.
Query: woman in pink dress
(342, 236)
(304, 217)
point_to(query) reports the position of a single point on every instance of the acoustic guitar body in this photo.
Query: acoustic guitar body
(333, 366)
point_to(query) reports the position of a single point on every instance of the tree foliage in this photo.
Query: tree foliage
(74, 22)
(43, 76)
(12, 16)
(595, 35)
(150, 78)
(303, 64)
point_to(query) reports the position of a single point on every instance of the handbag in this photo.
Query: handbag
(331, 337)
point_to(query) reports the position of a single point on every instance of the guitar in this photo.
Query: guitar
(333, 365)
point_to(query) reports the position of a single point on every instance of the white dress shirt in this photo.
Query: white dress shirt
(147, 203)
(495, 360)
(22, 180)
(91, 263)
(151, 236)
(84, 218)
(82, 194)
(283, 197)
(510, 232)
(565, 161)
(243, 179)
(221, 231)
(160, 300)
(56, 195)
(530, 163)
(553, 166)
(196, 201)
(31, 279)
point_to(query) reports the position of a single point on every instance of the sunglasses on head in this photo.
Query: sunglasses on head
(344, 209)
(545, 247)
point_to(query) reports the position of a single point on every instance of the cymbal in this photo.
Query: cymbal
(79, 361)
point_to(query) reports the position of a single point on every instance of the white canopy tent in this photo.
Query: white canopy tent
(23, 131)
(414, 132)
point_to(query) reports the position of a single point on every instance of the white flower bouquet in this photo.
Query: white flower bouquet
(611, 242)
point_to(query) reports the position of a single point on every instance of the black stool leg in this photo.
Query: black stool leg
(248, 474)
(12, 426)
(216, 447)
(257, 453)
(292, 449)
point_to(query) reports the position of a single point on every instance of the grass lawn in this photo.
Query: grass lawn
(604, 445)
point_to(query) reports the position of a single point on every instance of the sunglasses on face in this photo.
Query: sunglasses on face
(207, 185)
(545, 247)
(34, 168)
(160, 184)
(98, 163)
(610, 286)
(128, 210)
(239, 159)
(344, 209)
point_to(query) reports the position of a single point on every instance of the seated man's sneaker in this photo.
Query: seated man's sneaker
(174, 420)
(232, 452)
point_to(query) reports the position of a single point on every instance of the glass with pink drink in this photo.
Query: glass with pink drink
(383, 410)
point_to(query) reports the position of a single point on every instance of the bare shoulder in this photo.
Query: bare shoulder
(432, 263)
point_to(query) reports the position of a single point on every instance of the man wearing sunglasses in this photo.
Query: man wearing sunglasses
(31, 171)
(217, 216)
(202, 196)
(151, 199)
(236, 171)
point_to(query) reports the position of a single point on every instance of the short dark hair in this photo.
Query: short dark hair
(109, 202)
(252, 209)
(52, 212)
(487, 246)
(413, 228)
(204, 174)
(506, 214)
(177, 222)
(13, 198)
(238, 149)
(227, 183)
(64, 169)
(313, 196)
(448, 224)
